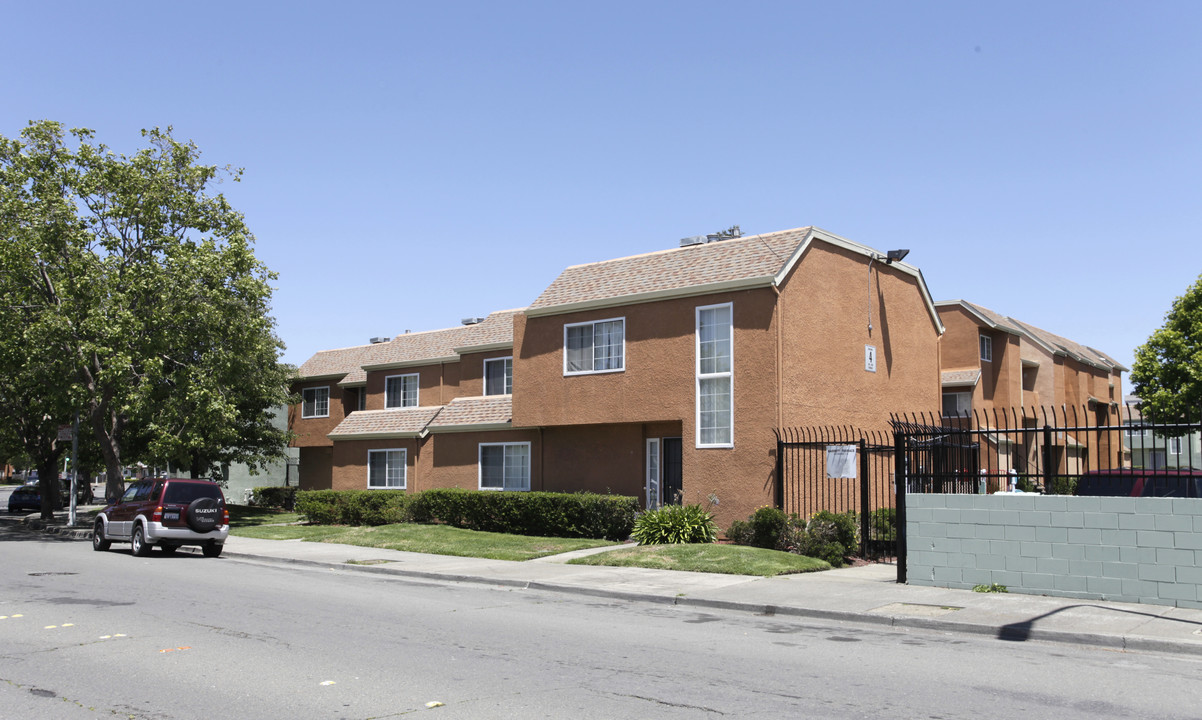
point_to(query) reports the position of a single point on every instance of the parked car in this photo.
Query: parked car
(165, 513)
(1136, 482)
(27, 498)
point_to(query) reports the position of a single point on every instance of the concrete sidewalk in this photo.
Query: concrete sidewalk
(865, 594)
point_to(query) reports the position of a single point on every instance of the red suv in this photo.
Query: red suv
(167, 513)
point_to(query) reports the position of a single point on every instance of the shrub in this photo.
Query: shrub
(882, 524)
(1063, 486)
(768, 526)
(826, 535)
(740, 532)
(535, 513)
(281, 498)
(675, 524)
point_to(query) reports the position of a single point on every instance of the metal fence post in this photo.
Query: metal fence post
(1047, 457)
(780, 473)
(899, 485)
(865, 506)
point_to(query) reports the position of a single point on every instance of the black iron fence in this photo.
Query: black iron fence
(841, 470)
(1103, 449)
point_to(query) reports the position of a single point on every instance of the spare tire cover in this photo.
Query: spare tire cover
(204, 514)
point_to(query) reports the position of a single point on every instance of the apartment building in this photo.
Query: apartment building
(1004, 373)
(660, 375)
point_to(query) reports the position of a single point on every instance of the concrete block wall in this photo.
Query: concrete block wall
(1146, 550)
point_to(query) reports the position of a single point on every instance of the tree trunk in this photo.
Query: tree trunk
(48, 484)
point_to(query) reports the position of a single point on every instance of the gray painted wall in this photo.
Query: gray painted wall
(1146, 550)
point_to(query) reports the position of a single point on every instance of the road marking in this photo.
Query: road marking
(328, 682)
(14, 617)
(186, 647)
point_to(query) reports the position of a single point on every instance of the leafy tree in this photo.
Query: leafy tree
(1168, 368)
(150, 293)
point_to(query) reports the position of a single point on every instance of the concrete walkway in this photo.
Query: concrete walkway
(865, 594)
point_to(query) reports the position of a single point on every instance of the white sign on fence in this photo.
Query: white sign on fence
(841, 461)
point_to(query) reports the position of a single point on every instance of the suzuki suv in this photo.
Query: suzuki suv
(165, 513)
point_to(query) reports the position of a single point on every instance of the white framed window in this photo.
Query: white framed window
(1175, 446)
(715, 376)
(400, 391)
(594, 347)
(654, 474)
(986, 348)
(386, 469)
(362, 400)
(498, 376)
(505, 466)
(957, 404)
(315, 402)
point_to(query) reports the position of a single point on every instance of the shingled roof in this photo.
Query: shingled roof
(338, 363)
(406, 422)
(694, 269)
(475, 412)
(1053, 343)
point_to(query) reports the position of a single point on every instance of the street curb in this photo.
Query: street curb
(1005, 633)
(1002, 633)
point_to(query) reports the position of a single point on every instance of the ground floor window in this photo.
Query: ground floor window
(504, 466)
(386, 469)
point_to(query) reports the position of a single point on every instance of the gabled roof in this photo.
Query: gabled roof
(474, 413)
(735, 264)
(1052, 343)
(364, 424)
(338, 363)
(496, 332)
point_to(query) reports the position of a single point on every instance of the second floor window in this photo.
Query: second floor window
(400, 391)
(315, 402)
(986, 348)
(498, 376)
(715, 396)
(594, 347)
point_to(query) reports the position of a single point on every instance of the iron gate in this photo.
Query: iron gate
(805, 484)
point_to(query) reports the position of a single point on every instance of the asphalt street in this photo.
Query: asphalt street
(92, 635)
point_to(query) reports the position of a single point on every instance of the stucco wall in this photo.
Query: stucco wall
(1146, 550)
(824, 319)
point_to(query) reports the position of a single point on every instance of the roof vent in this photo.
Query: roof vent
(695, 240)
(378, 340)
(472, 321)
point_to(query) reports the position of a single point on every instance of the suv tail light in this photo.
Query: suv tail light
(157, 515)
(225, 516)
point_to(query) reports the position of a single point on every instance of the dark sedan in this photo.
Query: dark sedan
(27, 498)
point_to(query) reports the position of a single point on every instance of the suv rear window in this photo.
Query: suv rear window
(185, 493)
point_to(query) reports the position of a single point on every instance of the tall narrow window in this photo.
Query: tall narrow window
(400, 391)
(386, 469)
(594, 346)
(498, 376)
(315, 402)
(653, 474)
(715, 411)
(504, 466)
(986, 348)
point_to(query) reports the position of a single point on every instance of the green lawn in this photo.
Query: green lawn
(433, 539)
(710, 558)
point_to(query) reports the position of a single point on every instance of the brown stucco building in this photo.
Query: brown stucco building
(660, 375)
(1004, 373)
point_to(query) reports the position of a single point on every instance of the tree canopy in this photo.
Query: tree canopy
(1167, 375)
(151, 305)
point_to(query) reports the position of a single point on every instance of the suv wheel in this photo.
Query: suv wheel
(138, 544)
(99, 543)
(211, 549)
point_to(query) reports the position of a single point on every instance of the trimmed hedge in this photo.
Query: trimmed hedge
(281, 498)
(518, 513)
(354, 507)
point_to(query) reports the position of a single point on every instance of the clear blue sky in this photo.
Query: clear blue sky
(411, 164)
